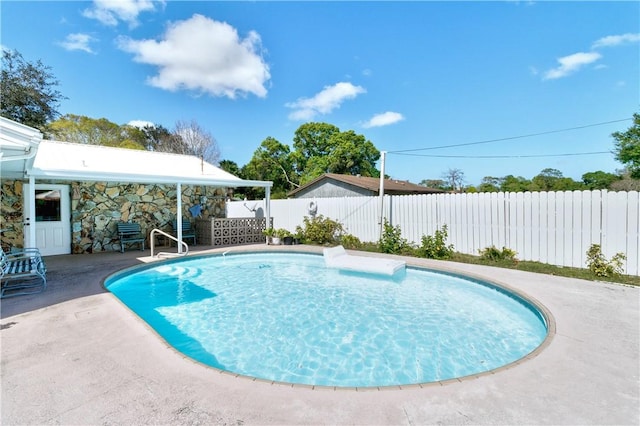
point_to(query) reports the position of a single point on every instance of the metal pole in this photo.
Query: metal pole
(267, 207)
(383, 155)
(179, 216)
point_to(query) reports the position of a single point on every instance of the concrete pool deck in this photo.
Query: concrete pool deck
(74, 354)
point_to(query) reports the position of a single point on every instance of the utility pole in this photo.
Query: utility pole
(383, 155)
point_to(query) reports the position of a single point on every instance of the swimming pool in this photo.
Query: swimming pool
(284, 317)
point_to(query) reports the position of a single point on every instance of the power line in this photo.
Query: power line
(506, 156)
(508, 138)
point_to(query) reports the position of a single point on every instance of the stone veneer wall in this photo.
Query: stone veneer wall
(11, 214)
(96, 208)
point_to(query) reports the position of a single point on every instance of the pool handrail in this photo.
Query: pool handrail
(166, 235)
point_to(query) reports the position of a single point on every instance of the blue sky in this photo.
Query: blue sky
(406, 75)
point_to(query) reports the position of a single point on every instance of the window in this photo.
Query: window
(47, 205)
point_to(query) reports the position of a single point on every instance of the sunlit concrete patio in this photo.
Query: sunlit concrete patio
(76, 355)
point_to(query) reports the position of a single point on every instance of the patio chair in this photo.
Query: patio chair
(22, 272)
(187, 231)
(130, 233)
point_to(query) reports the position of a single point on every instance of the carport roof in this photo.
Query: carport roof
(18, 146)
(24, 153)
(70, 161)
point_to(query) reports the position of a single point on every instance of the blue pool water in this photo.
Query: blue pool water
(285, 317)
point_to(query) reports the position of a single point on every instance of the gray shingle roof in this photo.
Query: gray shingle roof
(391, 186)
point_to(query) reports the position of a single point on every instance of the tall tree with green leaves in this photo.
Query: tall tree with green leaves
(433, 183)
(96, 131)
(271, 161)
(599, 179)
(322, 148)
(511, 183)
(627, 147)
(158, 138)
(552, 180)
(230, 167)
(28, 91)
(490, 184)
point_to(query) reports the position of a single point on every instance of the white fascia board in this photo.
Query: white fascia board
(143, 178)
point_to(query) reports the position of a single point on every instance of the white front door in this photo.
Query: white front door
(52, 219)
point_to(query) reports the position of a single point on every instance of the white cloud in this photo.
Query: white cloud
(109, 12)
(325, 101)
(141, 124)
(78, 41)
(384, 119)
(205, 56)
(615, 40)
(570, 64)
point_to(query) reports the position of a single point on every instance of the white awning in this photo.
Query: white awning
(18, 147)
(70, 161)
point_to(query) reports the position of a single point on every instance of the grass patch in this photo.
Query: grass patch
(529, 266)
(543, 268)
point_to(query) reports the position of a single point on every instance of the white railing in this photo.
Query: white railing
(556, 228)
(155, 232)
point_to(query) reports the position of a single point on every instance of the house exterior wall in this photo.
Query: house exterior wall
(332, 188)
(96, 208)
(11, 213)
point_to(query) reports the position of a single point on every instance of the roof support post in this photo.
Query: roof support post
(31, 199)
(179, 216)
(267, 207)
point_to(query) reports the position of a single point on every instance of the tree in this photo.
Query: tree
(599, 179)
(552, 180)
(322, 148)
(196, 141)
(271, 161)
(86, 130)
(454, 179)
(626, 182)
(433, 183)
(546, 179)
(512, 183)
(159, 138)
(627, 147)
(490, 184)
(28, 91)
(230, 167)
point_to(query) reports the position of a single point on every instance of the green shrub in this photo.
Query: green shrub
(494, 254)
(391, 240)
(600, 266)
(435, 247)
(351, 242)
(320, 230)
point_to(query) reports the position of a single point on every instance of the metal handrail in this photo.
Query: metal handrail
(158, 231)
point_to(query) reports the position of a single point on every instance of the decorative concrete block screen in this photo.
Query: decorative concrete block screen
(230, 232)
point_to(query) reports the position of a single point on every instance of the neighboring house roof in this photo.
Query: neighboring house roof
(391, 186)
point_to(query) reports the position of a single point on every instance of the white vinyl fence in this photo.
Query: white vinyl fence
(550, 227)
